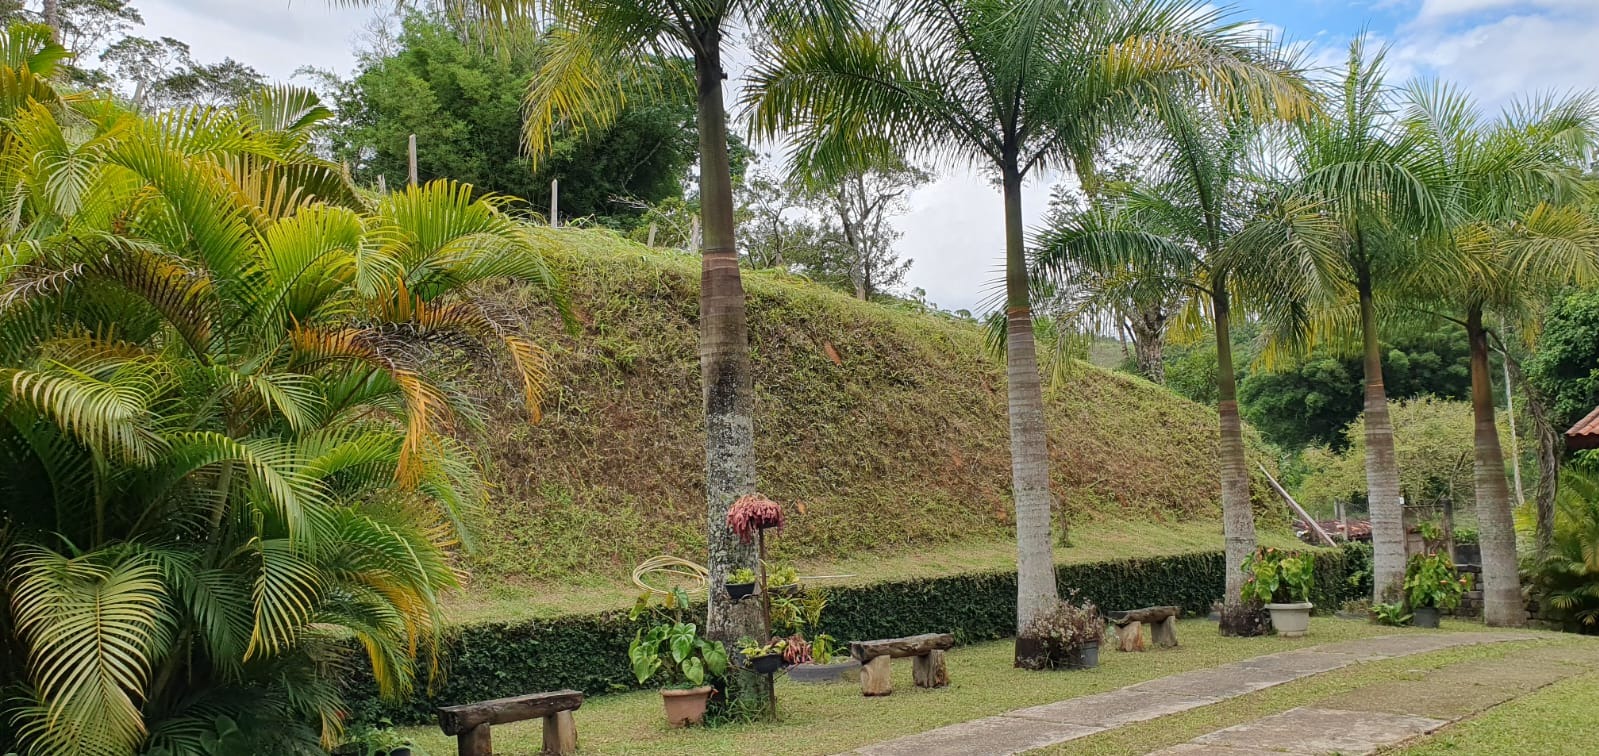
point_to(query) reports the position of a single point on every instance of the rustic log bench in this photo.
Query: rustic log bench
(928, 651)
(470, 723)
(1162, 621)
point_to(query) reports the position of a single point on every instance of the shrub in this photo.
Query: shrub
(588, 652)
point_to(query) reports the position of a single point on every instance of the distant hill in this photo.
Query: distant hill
(883, 429)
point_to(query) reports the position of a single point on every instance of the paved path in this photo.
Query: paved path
(1041, 726)
(1387, 713)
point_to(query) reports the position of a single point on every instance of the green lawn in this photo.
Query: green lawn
(833, 718)
(1093, 541)
(1560, 719)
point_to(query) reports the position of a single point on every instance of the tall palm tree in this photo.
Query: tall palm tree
(595, 48)
(1518, 231)
(1356, 165)
(225, 450)
(1012, 86)
(1175, 228)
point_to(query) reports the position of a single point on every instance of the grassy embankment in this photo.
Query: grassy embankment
(882, 429)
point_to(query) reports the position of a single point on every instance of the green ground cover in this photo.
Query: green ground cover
(832, 718)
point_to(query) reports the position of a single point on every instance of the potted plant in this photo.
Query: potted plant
(1067, 634)
(783, 581)
(764, 658)
(741, 583)
(673, 651)
(1282, 580)
(1432, 586)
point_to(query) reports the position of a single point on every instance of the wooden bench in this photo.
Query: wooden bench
(1162, 621)
(470, 723)
(928, 651)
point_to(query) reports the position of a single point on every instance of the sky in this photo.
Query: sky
(1497, 49)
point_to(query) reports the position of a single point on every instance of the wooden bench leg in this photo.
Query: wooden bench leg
(929, 670)
(475, 742)
(1130, 637)
(876, 677)
(560, 734)
(1164, 633)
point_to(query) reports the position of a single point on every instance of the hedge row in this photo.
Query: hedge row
(589, 652)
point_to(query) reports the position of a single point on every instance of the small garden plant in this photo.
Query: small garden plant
(1431, 582)
(1279, 577)
(1063, 629)
(671, 649)
(1393, 615)
(741, 576)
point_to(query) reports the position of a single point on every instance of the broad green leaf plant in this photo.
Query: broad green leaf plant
(671, 649)
(226, 443)
(1274, 576)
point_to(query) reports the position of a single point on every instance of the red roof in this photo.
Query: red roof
(1585, 434)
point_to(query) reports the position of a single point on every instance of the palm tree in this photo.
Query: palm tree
(596, 47)
(1174, 230)
(1359, 168)
(1012, 86)
(225, 448)
(1516, 233)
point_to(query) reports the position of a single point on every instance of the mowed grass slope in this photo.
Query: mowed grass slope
(882, 429)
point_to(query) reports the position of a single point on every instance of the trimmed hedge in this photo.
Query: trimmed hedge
(589, 652)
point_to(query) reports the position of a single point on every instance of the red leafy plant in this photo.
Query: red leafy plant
(752, 513)
(798, 650)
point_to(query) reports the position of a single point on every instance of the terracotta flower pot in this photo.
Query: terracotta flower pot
(686, 707)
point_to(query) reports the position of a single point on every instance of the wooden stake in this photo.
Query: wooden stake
(555, 203)
(651, 241)
(1295, 506)
(411, 158)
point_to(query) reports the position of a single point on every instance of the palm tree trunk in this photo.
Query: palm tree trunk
(1501, 594)
(1238, 516)
(1382, 469)
(724, 362)
(1029, 444)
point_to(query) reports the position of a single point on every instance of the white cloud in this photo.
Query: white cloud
(1549, 47)
(1434, 11)
(274, 36)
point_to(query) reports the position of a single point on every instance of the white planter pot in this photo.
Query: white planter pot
(1290, 620)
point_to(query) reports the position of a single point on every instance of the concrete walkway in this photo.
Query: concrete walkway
(1041, 726)
(1388, 713)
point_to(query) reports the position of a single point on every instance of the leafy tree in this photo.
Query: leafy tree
(1311, 399)
(464, 104)
(1565, 366)
(1432, 441)
(224, 433)
(1011, 86)
(862, 201)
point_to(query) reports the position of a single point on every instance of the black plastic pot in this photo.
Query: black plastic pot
(1425, 616)
(766, 664)
(738, 591)
(1085, 656)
